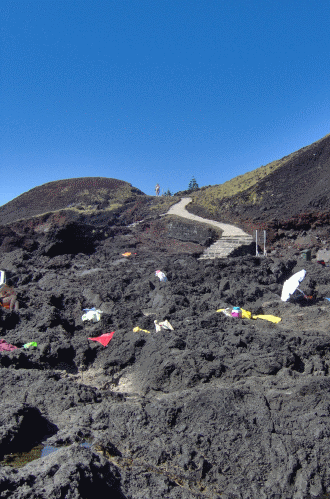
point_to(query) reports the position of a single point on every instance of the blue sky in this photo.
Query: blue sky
(153, 91)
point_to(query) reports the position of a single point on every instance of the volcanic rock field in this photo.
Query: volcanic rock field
(220, 407)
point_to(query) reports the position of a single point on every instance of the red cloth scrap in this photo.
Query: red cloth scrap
(6, 347)
(104, 339)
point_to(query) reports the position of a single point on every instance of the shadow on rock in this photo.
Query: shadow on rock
(22, 427)
(73, 472)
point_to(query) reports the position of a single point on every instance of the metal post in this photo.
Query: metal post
(257, 253)
(265, 252)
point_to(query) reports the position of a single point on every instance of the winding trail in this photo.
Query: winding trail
(232, 237)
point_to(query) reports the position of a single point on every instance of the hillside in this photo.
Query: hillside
(292, 193)
(298, 183)
(81, 194)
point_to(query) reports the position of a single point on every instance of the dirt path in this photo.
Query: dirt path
(179, 209)
(231, 239)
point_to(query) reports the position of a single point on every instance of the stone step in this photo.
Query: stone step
(232, 237)
(224, 246)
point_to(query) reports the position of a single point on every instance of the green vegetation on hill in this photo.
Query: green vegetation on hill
(207, 197)
(86, 194)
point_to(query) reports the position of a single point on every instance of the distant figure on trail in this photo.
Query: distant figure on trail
(157, 189)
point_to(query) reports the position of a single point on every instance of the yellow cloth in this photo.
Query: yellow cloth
(270, 318)
(247, 315)
(126, 254)
(137, 329)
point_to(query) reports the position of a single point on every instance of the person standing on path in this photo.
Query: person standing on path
(157, 189)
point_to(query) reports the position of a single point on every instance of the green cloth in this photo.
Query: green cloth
(31, 344)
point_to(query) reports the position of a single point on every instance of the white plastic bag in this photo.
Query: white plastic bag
(92, 314)
(2, 277)
(161, 275)
(163, 325)
(227, 312)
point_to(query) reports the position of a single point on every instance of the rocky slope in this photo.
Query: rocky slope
(294, 196)
(218, 408)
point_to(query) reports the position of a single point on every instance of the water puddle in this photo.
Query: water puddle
(20, 459)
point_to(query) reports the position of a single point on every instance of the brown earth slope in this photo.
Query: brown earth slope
(86, 193)
(295, 195)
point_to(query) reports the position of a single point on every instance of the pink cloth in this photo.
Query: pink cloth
(6, 347)
(104, 339)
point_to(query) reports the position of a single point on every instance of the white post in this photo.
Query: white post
(265, 252)
(257, 253)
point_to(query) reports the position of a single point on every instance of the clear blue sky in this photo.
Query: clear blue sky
(153, 91)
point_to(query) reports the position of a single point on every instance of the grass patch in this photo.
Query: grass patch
(113, 206)
(82, 194)
(209, 197)
(163, 204)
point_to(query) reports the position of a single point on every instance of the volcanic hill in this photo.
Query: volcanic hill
(290, 198)
(82, 194)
